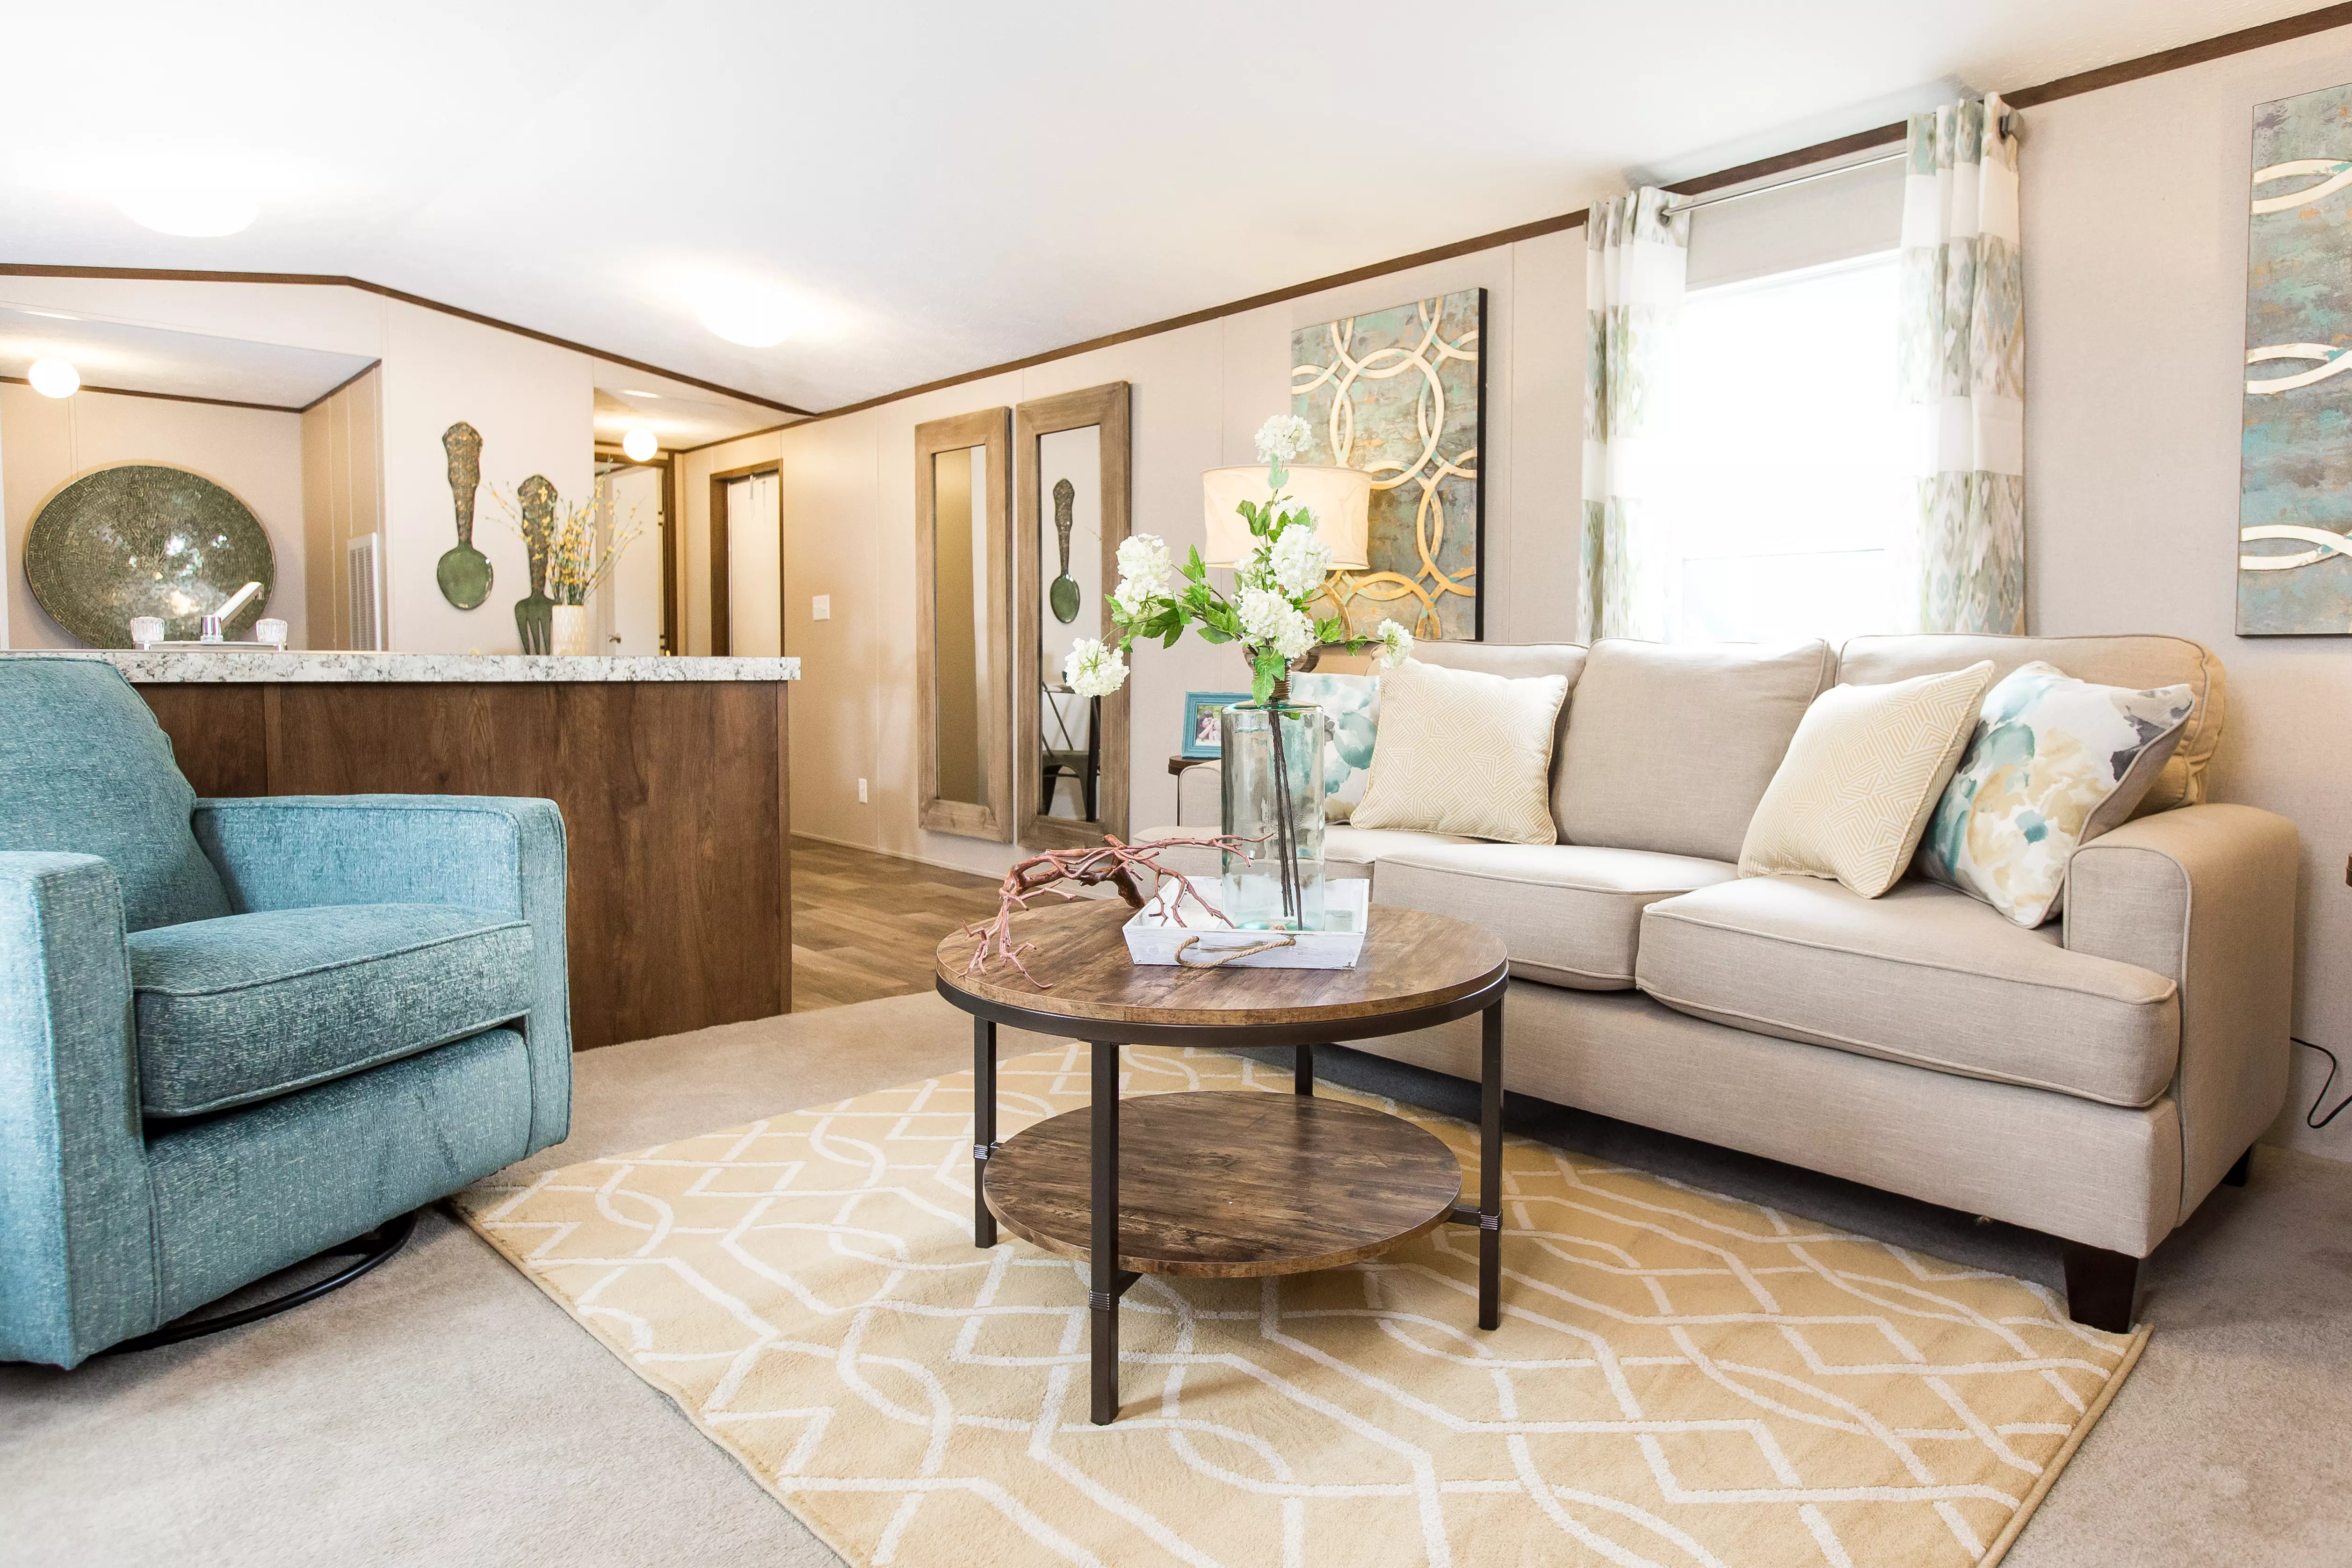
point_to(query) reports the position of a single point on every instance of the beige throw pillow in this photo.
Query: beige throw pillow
(1461, 751)
(1862, 776)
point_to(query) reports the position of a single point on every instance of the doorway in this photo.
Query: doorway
(747, 562)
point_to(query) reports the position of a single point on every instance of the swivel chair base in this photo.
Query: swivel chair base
(367, 1251)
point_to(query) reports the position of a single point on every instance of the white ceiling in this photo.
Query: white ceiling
(124, 356)
(941, 186)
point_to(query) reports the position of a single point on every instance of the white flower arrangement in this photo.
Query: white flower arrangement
(1093, 670)
(1282, 438)
(1268, 610)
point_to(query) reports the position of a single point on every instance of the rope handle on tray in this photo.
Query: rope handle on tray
(1226, 956)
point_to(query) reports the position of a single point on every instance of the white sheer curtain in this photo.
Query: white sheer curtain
(1638, 255)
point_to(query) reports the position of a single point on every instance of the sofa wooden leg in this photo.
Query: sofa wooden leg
(2102, 1287)
(2242, 1170)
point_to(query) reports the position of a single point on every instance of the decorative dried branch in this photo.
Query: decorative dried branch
(1110, 862)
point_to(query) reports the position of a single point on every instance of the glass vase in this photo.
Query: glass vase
(1274, 795)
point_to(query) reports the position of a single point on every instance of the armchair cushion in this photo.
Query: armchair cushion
(250, 1007)
(89, 772)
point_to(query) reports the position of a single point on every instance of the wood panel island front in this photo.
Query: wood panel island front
(671, 774)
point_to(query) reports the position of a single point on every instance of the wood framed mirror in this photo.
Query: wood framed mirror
(1071, 752)
(963, 625)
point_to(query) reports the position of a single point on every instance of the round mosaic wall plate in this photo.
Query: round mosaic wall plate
(145, 539)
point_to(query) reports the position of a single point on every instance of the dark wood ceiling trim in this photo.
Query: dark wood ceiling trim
(2284, 30)
(763, 430)
(2281, 31)
(169, 397)
(333, 280)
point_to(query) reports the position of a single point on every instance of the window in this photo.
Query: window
(1779, 445)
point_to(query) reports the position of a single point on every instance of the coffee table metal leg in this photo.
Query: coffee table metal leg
(1490, 1167)
(1302, 1069)
(1102, 1257)
(984, 1128)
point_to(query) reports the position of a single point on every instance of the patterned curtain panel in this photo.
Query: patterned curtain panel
(1961, 567)
(1632, 292)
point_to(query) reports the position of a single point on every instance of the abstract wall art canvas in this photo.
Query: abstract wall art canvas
(1401, 393)
(2294, 504)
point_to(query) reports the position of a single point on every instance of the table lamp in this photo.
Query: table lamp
(1340, 499)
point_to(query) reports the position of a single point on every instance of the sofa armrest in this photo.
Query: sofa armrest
(2205, 896)
(301, 852)
(77, 1233)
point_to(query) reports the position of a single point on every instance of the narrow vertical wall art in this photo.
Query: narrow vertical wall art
(2295, 501)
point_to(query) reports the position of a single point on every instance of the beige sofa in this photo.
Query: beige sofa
(2093, 1078)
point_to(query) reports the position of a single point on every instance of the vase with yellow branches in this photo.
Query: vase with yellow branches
(569, 560)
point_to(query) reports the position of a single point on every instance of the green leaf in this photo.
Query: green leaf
(1262, 679)
(1195, 570)
(1174, 633)
(1277, 476)
(1334, 630)
(1211, 634)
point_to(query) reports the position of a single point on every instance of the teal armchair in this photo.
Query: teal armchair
(235, 1034)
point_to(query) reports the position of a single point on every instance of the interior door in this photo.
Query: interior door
(755, 568)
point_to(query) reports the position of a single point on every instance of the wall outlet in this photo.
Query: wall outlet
(861, 791)
(820, 609)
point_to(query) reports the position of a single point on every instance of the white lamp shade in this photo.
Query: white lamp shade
(1340, 499)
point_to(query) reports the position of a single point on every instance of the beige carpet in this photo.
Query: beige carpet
(1680, 1378)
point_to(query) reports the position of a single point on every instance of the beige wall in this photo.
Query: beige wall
(2135, 207)
(1198, 395)
(534, 403)
(255, 454)
(343, 498)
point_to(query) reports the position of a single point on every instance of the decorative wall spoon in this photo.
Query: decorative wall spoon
(463, 572)
(1062, 595)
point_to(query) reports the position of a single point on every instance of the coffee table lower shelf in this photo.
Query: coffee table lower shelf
(1222, 1186)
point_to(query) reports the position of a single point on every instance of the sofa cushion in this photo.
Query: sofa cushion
(1463, 751)
(1568, 914)
(1670, 747)
(1519, 662)
(1348, 851)
(1868, 765)
(2137, 662)
(86, 769)
(1925, 976)
(247, 1007)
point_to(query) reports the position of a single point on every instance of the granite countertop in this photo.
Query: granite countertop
(234, 664)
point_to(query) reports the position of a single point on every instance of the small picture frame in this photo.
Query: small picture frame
(1200, 710)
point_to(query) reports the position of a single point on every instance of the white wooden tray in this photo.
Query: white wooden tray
(1152, 937)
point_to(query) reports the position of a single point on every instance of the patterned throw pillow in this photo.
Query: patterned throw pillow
(1866, 766)
(1353, 703)
(1462, 751)
(2054, 763)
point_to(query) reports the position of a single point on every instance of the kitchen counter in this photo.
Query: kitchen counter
(671, 774)
(241, 663)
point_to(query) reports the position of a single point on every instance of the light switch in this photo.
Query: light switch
(861, 791)
(821, 607)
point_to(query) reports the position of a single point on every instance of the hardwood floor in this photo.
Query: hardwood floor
(864, 924)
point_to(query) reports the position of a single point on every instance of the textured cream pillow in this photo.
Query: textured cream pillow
(1461, 751)
(1862, 776)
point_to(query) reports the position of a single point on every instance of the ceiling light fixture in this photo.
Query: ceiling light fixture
(632, 391)
(753, 316)
(640, 445)
(54, 376)
(200, 203)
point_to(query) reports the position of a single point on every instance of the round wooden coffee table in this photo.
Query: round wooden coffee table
(1220, 1183)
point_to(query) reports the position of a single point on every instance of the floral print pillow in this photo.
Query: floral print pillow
(1351, 705)
(2054, 763)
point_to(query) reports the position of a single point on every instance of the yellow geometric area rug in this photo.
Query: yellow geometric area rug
(1679, 1378)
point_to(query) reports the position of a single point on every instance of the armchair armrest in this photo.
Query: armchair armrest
(302, 852)
(2205, 896)
(77, 1233)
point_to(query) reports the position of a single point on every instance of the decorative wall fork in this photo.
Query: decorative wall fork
(535, 615)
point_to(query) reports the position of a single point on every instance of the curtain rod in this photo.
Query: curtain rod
(2008, 127)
